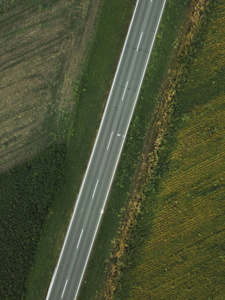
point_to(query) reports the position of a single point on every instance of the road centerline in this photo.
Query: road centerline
(64, 288)
(80, 238)
(124, 91)
(95, 189)
(110, 140)
(139, 41)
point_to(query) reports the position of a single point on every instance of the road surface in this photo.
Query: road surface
(109, 142)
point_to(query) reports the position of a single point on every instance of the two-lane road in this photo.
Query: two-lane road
(104, 159)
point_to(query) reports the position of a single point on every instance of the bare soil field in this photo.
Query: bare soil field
(43, 47)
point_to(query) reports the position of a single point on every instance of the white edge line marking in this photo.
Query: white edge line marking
(80, 238)
(110, 140)
(125, 90)
(120, 148)
(139, 41)
(95, 189)
(96, 140)
(64, 288)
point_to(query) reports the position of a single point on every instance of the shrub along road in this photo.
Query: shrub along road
(104, 159)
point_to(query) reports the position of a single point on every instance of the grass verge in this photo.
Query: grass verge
(172, 21)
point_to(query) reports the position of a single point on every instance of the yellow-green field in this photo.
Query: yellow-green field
(185, 256)
(182, 255)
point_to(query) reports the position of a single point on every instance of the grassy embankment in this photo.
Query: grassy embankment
(170, 27)
(176, 249)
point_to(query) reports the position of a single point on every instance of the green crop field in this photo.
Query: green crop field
(177, 247)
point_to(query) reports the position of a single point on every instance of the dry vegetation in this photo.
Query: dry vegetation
(177, 248)
(42, 48)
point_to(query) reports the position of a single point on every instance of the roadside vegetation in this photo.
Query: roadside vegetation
(176, 247)
(129, 166)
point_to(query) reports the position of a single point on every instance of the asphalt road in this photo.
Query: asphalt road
(108, 146)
